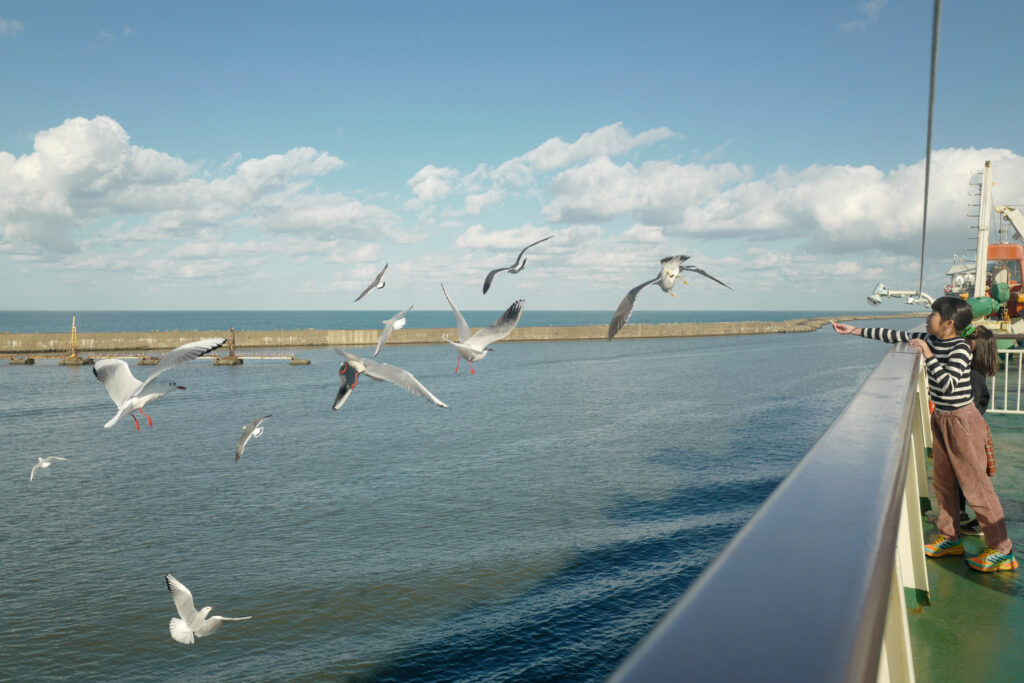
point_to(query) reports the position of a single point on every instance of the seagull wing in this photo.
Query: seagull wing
(464, 333)
(247, 432)
(400, 377)
(389, 327)
(490, 277)
(698, 270)
(182, 354)
(625, 308)
(117, 379)
(502, 327)
(182, 598)
(35, 468)
(520, 257)
(373, 284)
(673, 262)
(51, 458)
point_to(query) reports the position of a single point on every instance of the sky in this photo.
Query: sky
(265, 155)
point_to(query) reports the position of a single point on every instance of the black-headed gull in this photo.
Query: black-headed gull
(192, 624)
(666, 279)
(515, 267)
(473, 347)
(395, 322)
(353, 366)
(378, 283)
(129, 394)
(44, 463)
(253, 430)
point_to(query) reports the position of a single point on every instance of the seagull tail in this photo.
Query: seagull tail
(181, 632)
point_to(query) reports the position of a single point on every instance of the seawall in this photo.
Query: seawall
(20, 343)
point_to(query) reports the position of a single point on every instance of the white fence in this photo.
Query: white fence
(1006, 384)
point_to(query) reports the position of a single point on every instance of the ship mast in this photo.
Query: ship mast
(984, 214)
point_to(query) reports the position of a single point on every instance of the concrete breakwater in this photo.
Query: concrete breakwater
(46, 342)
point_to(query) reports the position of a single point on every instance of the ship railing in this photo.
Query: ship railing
(815, 586)
(1005, 386)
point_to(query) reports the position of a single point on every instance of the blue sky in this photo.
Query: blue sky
(269, 156)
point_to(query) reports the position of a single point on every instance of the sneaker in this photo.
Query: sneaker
(971, 528)
(943, 545)
(964, 517)
(991, 560)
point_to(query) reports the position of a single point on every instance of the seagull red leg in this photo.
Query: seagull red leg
(137, 427)
(471, 370)
(457, 364)
(148, 418)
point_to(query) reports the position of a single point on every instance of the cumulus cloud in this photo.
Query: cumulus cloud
(85, 171)
(516, 238)
(609, 141)
(431, 182)
(649, 234)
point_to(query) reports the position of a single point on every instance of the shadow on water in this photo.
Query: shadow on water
(579, 623)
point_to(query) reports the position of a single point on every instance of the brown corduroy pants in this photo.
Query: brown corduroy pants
(958, 455)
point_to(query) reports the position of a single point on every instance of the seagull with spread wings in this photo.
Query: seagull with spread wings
(130, 395)
(473, 347)
(44, 463)
(192, 624)
(354, 365)
(253, 430)
(671, 269)
(378, 283)
(395, 322)
(515, 267)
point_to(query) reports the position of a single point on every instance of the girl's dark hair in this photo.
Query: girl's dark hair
(956, 309)
(986, 353)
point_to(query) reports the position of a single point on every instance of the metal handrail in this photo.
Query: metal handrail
(1005, 386)
(810, 588)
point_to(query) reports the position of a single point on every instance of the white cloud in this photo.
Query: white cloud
(607, 141)
(649, 234)
(475, 203)
(475, 238)
(431, 183)
(10, 27)
(871, 9)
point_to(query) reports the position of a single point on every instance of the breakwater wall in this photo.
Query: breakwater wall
(47, 342)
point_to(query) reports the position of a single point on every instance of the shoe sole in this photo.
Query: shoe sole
(957, 550)
(1005, 566)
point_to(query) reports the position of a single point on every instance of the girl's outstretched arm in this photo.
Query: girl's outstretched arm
(842, 328)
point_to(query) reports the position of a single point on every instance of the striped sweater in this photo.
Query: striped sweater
(949, 370)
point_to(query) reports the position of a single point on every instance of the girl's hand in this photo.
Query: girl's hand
(842, 328)
(922, 346)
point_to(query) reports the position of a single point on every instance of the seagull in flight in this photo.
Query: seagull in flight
(473, 347)
(44, 463)
(253, 430)
(515, 267)
(130, 395)
(671, 268)
(395, 322)
(378, 283)
(192, 624)
(354, 365)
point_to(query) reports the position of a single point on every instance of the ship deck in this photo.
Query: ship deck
(974, 627)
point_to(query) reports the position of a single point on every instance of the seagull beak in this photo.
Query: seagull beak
(182, 388)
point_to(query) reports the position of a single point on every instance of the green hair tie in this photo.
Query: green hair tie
(968, 331)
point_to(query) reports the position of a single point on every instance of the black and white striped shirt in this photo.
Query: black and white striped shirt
(949, 370)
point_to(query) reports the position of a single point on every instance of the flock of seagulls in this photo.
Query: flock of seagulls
(130, 395)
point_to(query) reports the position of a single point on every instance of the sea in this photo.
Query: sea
(535, 530)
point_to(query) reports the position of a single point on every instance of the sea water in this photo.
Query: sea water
(535, 530)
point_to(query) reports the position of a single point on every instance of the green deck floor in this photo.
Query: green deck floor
(974, 628)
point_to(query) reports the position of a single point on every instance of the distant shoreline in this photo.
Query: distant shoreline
(13, 344)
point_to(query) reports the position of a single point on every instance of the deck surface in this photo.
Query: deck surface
(974, 628)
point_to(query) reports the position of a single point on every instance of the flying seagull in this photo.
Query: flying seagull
(192, 624)
(474, 347)
(129, 394)
(44, 463)
(378, 283)
(253, 430)
(353, 366)
(666, 279)
(515, 267)
(395, 322)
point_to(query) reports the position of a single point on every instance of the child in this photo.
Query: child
(958, 431)
(984, 365)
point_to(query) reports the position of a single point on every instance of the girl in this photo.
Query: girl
(958, 433)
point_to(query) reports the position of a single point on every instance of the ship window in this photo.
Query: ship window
(1004, 271)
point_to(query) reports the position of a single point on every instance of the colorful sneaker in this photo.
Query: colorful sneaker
(991, 560)
(971, 528)
(943, 545)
